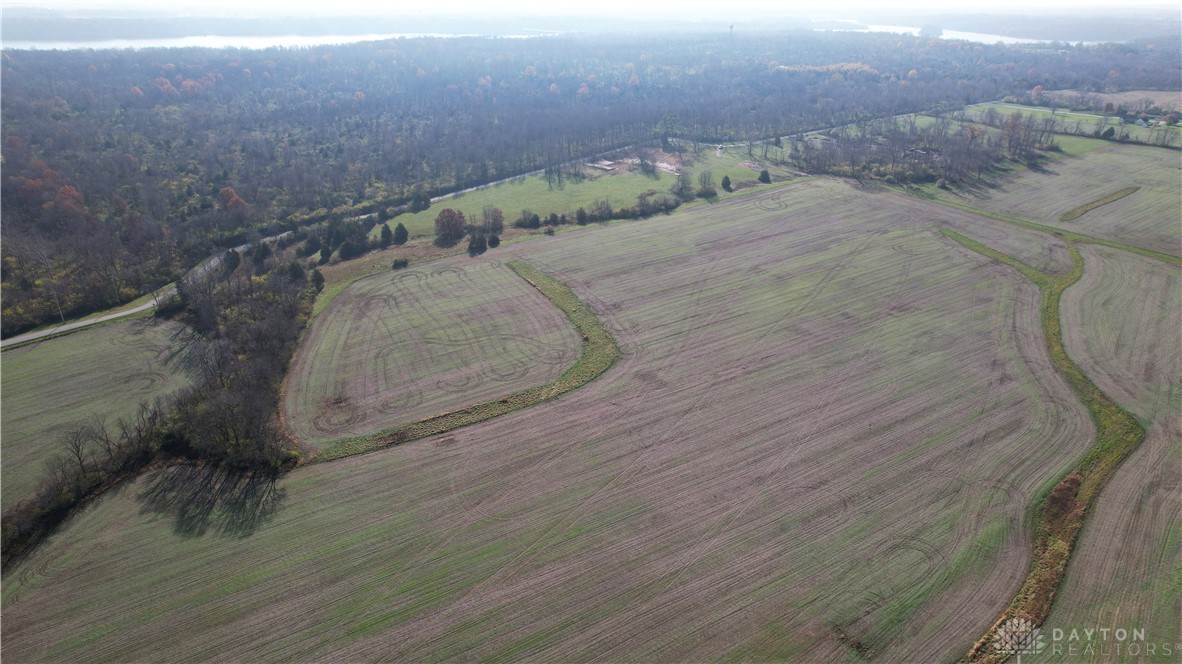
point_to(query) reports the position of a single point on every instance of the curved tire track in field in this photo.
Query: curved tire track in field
(341, 416)
(399, 404)
(143, 381)
(772, 202)
(935, 567)
(465, 348)
(416, 276)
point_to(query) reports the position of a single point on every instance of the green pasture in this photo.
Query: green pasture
(1070, 118)
(50, 385)
(620, 187)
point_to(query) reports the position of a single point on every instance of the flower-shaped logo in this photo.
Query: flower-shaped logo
(1018, 636)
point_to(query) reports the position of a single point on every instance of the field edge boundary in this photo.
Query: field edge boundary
(1061, 233)
(1060, 513)
(600, 351)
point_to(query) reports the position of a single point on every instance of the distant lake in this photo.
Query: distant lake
(979, 37)
(223, 41)
(297, 41)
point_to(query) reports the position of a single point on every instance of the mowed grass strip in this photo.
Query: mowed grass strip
(1072, 215)
(1060, 513)
(599, 352)
(1067, 236)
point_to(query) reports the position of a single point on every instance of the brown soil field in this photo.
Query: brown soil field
(401, 346)
(1122, 323)
(820, 443)
(1151, 217)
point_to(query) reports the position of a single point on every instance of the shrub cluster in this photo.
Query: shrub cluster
(92, 458)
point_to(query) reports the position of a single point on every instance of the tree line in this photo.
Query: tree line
(946, 149)
(246, 314)
(123, 169)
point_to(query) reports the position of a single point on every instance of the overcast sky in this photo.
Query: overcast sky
(682, 9)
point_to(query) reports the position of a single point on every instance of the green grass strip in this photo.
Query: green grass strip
(1056, 526)
(1072, 215)
(330, 293)
(599, 353)
(1063, 234)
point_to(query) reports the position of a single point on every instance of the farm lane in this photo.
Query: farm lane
(77, 325)
(161, 294)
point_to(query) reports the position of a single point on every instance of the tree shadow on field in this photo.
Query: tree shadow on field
(202, 499)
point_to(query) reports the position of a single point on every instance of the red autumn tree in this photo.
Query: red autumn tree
(230, 201)
(449, 226)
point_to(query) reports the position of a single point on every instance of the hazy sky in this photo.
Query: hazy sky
(683, 8)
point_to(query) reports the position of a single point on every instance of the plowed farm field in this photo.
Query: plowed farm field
(51, 385)
(821, 442)
(1122, 322)
(1150, 217)
(398, 347)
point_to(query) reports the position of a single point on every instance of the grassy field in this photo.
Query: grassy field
(823, 433)
(1150, 217)
(1122, 320)
(1088, 121)
(143, 299)
(401, 346)
(620, 187)
(51, 385)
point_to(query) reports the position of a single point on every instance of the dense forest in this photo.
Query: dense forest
(122, 169)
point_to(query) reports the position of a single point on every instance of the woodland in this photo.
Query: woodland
(124, 169)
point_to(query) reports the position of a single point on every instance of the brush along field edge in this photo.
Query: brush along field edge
(1072, 215)
(1117, 434)
(600, 352)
